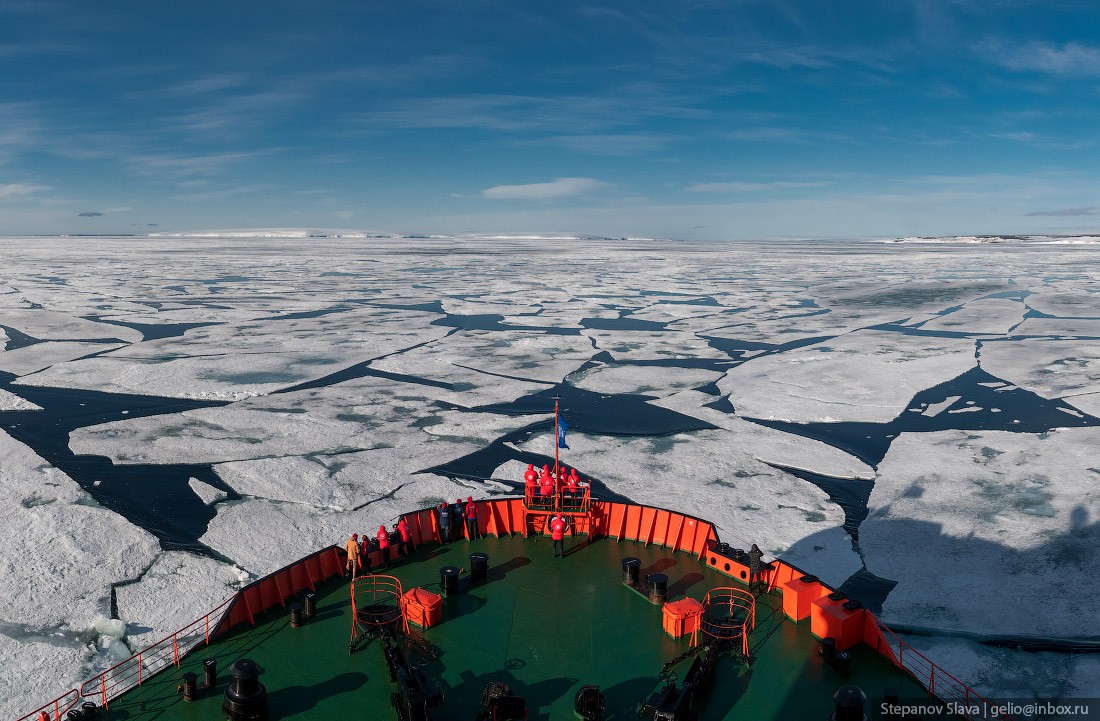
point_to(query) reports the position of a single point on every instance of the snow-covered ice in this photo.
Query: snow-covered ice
(172, 593)
(863, 376)
(473, 321)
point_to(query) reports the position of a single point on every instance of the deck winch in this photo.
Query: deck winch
(245, 696)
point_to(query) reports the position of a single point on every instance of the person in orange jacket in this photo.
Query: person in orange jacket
(471, 519)
(557, 525)
(352, 547)
(573, 488)
(384, 545)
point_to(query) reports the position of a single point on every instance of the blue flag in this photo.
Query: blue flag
(562, 428)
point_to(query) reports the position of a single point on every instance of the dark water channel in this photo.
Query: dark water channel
(152, 496)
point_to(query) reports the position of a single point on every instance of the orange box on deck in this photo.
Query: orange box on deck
(798, 595)
(830, 618)
(421, 607)
(682, 617)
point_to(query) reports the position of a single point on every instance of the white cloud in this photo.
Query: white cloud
(1043, 57)
(739, 187)
(560, 188)
(20, 190)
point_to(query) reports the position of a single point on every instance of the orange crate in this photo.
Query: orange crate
(682, 617)
(422, 607)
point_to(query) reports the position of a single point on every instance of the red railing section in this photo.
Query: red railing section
(960, 697)
(54, 709)
(244, 606)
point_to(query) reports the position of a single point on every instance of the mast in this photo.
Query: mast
(557, 435)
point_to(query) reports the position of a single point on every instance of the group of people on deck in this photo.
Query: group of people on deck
(541, 488)
(359, 551)
(452, 517)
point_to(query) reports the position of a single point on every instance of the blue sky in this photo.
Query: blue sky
(686, 119)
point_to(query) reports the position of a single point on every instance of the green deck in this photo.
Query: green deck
(545, 626)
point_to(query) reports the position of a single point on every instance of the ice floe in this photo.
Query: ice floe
(359, 414)
(1049, 368)
(37, 357)
(36, 667)
(985, 315)
(207, 493)
(988, 532)
(647, 380)
(234, 361)
(262, 535)
(11, 402)
(863, 376)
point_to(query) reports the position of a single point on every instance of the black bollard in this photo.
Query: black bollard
(210, 673)
(828, 650)
(89, 711)
(849, 702)
(724, 549)
(245, 696)
(844, 664)
(295, 615)
(479, 566)
(658, 588)
(190, 686)
(448, 580)
(311, 605)
(631, 568)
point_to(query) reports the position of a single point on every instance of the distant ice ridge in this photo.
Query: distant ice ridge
(266, 233)
(987, 239)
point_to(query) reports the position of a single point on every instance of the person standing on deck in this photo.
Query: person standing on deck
(755, 554)
(458, 520)
(384, 545)
(471, 518)
(557, 525)
(444, 523)
(407, 545)
(352, 547)
(546, 488)
(530, 483)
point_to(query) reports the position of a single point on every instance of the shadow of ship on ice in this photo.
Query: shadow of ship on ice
(983, 590)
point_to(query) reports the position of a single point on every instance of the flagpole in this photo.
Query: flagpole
(557, 435)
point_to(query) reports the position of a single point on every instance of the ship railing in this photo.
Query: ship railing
(55, 709)
(169, 651)
(959, 698)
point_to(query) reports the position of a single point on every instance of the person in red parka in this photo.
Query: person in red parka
(530, 482)
(573, 488)
(557, 525)
(407, 545)
(546, 487)
(384, 545)
(472, 531)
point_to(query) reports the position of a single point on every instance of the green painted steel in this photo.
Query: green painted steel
(545, 626)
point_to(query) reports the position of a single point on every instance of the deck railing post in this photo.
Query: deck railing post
(103, 690)
(139, 667)
(175, 651)
(206, 620)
